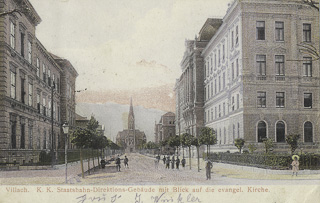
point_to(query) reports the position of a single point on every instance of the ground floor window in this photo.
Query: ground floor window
(308, 132)
(262, 131)
(280, 131)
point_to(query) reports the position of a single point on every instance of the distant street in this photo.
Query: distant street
(142, 171)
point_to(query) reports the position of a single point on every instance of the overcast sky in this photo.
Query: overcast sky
(124, 44)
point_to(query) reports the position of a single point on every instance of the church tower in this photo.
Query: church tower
(131, 117)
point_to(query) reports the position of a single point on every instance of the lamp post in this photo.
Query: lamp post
(65, 128)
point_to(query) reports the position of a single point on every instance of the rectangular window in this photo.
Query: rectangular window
(279, 59)
(232, 71)
(308, 100)
(232, 104)
(280, 99)
(306, 32)
(237, 34)
(53, 81)
(219, 57)
(13, 85)
(205, 70)
(261, 65)
(223, 80)
(29, 52)
(279, 32)
(38, 103)
(30, 94)
(261, 99)
(219, 111)
(44, 106)
(211, 88)
(23, 92)
(215, 61)
(219, 83)
(205, 116)
(224, 109)
(223, 53)
(307, 66)
(215, 112)
(238, 101)
(208, 70)
(215, 86)
(12, 35)
(237, 67)
(49, 77)
(260, 30)
(211, 65)
(44, 72)
(38, 67)
(58, 84)
(232, 39)
(49, 107)
(22, 44)
(211, 114)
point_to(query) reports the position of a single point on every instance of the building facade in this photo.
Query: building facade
(131, 139)
(189, 89)
(30, 88)
(165, 128)
(259, 81)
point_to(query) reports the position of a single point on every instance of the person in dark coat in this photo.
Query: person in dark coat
(177, 163)
(164, 159)
(168, 162)
(183, 162)
(125, 161)
(208, 169)
(172, 162)
(118, 162)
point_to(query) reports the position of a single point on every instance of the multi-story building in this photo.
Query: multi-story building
(260, 82)
(30, 90)
(189, 90)
(165, 128)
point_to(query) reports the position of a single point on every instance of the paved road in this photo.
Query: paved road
(142, 171)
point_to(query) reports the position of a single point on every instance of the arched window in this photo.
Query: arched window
(280, 131)
(308, 132)
(262, 131)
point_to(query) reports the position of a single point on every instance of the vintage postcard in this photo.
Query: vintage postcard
(172, 101)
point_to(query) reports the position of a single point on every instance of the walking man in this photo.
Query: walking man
(164, 159)
(118, 162)
(125, 161)
(208, 169)
(177, 163)
(172, 162)
(168, 162)
(183, 162)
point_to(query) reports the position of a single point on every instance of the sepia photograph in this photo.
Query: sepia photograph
(171, 101)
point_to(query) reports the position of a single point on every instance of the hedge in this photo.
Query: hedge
(273, 161)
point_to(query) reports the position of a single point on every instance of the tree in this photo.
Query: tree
(92, 125)
(252, 148)
(239, 143)
(82, 138)
(174, 142)
(187, 140)
(207, 137)
(268, 144)
(292, 141)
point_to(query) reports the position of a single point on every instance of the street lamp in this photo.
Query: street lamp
(65, 128)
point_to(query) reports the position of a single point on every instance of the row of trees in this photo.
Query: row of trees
(91, 138)
(292, 141)
(186, 140)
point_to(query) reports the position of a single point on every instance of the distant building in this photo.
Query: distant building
(189, 88)
(165, 128)
(34, 97)
(131, 139)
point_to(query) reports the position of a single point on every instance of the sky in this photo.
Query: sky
(123, 45)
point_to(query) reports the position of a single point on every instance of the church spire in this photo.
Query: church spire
(131, 117)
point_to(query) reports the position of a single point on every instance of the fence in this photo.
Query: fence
(271, 161)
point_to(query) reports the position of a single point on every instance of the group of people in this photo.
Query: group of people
(125, 161)
(175, 162)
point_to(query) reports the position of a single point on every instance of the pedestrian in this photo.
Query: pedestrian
(208, 169)
(118, 162)
(158, 158)
(164, 159)
(168, 162)
(172, 162)
(125, 161)
(183, 162)
(156, 163)
(177, 163)
(295, 165)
